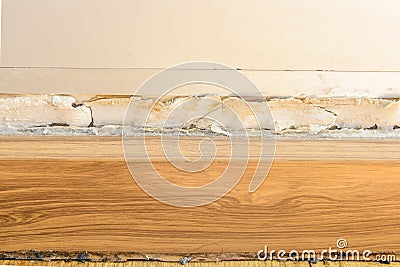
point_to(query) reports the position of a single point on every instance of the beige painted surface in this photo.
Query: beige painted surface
(360, 39)
(271, 83)
(273, 34)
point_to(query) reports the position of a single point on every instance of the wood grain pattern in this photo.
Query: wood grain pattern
(76, 194)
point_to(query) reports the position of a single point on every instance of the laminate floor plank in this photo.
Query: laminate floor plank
(72, 194)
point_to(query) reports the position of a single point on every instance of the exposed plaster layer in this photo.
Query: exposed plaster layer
(311, 114)
(108, 111)
(295, 114)
(361, 113)
(203, 113)
(287, 113)
(232, 112)
(41, 110)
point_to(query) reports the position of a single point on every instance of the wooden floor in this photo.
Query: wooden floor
(76, 194)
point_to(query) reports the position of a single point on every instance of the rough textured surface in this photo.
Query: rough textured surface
(311, 115)
(361, 113)
(41, 110)
(218, 262)
(204, 113)
(295, 114)
(117, 130)
(108, 111)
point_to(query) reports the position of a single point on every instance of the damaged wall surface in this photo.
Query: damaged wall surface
(310, 115)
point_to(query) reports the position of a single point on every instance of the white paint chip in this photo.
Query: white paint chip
(217, 129)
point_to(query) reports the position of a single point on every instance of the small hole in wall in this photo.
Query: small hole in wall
(396, 127)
